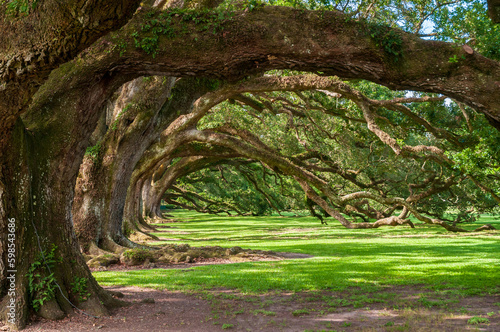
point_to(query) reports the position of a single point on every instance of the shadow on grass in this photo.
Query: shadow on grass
(368, 266)
(366, 259)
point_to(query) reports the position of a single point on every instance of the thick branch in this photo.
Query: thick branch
(286, 38)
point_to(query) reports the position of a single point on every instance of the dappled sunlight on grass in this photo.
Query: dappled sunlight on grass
(343, 258)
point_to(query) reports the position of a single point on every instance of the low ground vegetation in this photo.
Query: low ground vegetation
(394, 279)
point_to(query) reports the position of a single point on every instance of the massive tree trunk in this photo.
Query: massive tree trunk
(144, 109)
(133, 219)
(30, 47)
(42, 162)
(16, 208)
(40, 185)
(104, 176)
(149, 208)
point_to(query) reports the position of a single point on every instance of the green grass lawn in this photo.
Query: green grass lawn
(365, 259)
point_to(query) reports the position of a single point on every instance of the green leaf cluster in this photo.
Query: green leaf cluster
(93, 152)
(167, 24)
(41, 283)
(79, 288)
(16, 8)
(387, 38)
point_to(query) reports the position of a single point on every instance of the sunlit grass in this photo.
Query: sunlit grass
(342, 258)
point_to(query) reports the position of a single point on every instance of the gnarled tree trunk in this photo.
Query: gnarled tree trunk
(145, 108)
(39, 196)
(105, 174)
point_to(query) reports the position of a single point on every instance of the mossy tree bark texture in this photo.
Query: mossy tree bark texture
(45, 154)
(144, 109)
(31, 46)
(331, 43)
(105, 174)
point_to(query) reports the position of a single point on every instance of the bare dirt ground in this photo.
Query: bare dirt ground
(226, 310)
(395, 309)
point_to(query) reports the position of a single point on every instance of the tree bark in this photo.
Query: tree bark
(329, 42)
(42, 211)
(104, 178)
(494, 10)
(103, 185)
(32, 45)
(133, 219)
(50, 142)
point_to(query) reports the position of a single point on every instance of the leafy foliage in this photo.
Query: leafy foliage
(93, 152)
(79, 288)
(192, 20)
(15, 8)
(469, 24)
(330, 137)
(386, 38)
(478, 320)
(41, 283)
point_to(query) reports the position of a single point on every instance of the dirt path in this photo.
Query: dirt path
(226, 310)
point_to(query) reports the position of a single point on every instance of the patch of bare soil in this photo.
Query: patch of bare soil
(218, 310)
